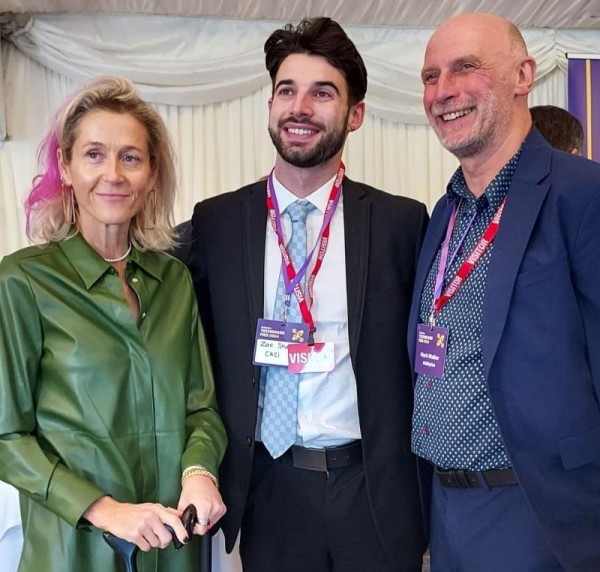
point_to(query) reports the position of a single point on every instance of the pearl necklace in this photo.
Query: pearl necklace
(119, 258)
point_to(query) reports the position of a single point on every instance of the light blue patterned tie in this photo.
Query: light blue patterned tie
(280, 410)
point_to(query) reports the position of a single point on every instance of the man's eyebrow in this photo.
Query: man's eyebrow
(328, 84)
(284, 82)
(427, 70)
(324, 83)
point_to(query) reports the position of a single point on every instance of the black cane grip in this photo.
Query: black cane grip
(189, 520)
(123, 548)
(127, 551)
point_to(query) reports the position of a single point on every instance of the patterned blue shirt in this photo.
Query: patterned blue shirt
(454, 425)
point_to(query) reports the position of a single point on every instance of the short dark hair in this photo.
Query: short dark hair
(559, 127)
(319, 37)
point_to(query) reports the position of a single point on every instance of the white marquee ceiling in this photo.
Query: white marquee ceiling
(410, 13)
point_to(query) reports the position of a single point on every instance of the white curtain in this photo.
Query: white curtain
(196, 61)
(374, 13)
(207, 79)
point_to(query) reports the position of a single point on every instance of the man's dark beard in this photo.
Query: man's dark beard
(327, 147)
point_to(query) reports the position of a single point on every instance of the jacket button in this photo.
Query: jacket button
(249, 441)
(253, 380)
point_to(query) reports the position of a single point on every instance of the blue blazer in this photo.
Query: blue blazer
(541, 340)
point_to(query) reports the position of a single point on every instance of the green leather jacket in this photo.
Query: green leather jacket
(93, 403)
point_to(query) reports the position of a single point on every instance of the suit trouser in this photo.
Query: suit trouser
(299, 520)
(486, 530)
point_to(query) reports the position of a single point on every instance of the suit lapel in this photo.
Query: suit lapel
(525, 198)
(255, 219)
(357, 220)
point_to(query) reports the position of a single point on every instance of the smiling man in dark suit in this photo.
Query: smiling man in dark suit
(308, 346)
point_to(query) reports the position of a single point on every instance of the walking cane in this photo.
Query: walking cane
(128, 550)
(206, 553)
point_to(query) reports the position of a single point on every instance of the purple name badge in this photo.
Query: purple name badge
(430, 354)
(273, 338)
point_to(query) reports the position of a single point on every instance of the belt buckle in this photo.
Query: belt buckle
(463, 480)
(457, 478)
(313, 460)
(453, 478)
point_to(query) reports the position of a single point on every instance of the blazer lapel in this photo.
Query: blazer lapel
(357, 219)
(255, 221)
(524, 201)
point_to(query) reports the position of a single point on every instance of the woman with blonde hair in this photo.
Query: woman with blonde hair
(108, 417)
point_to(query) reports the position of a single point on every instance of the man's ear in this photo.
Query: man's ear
(526, 76)
(356, 116)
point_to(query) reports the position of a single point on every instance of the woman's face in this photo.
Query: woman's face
(109, 170)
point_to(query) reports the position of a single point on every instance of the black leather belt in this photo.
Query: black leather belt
(472, 479)
(327, 458)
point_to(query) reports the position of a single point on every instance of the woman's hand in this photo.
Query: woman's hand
(204, 495)
(142, 524)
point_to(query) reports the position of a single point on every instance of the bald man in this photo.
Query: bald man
(505, 321)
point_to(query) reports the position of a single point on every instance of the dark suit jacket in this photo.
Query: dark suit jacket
(541, 340)
(383, 234)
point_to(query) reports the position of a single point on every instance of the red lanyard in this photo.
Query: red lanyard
(471, 261)
(291, 277)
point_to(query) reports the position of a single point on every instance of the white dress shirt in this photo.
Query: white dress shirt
(327, 403)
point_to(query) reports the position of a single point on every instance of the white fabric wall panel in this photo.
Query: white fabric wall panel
(195, 61)
(549, 14)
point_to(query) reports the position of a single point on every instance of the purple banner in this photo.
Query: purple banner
(584, 101)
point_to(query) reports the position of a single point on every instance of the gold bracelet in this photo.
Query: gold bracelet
(198, 470)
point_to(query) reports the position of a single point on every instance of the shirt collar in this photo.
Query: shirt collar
(150, 262)
(91, 266)
(494, 192)
(318, 198)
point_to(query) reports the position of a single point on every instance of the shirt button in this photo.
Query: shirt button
(249, 441)
(428, 384)
(134, 280)
(425, 430)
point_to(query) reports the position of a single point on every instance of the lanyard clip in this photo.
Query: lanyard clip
(286, 308)
(432, 319)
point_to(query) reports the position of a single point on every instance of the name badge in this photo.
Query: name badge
(273, 338)
(430, 354)
(303, 358)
